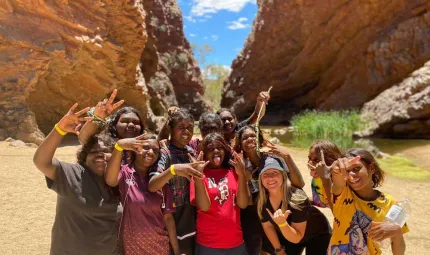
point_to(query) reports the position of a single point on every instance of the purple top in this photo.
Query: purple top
(142, 228)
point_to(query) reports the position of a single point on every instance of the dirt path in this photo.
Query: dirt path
(28, 207)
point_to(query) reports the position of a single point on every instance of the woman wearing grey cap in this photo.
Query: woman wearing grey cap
(246, 142)
(290, 222)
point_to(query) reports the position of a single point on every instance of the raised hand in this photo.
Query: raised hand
(264, 96)
(188, 171)
(238, 164)
(133, 144)
(276, 149)
(320, 169)
(199, 164)
(71, 122)
(278, 216)
(107, 107)
(342, 165)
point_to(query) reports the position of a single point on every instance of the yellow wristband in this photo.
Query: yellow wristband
(118, 148)
(282, 225)
(172, 170)
(61, 132)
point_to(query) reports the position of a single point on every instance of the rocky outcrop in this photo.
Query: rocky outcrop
(402, 111)
(327, 54)
(55, 53)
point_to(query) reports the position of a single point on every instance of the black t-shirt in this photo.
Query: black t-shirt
(86, 214)
(317, 223)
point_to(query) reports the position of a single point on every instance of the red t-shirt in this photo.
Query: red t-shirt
(219, 227)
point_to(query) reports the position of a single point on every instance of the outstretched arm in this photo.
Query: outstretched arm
(262, 100)
(43, 157)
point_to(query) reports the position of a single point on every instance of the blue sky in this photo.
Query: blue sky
(223, 24)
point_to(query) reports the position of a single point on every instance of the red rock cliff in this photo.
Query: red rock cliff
(322, 54)
(54, 53)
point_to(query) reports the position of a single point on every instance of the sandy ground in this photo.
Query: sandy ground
(28, 207)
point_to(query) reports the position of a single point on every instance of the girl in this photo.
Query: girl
(174, 168)
(290, 222)
(218, 210)
(125, 123)
(359, 208)
(87, 211)
(246, 142)
(142, 227)
(229, 119)
(321, 192)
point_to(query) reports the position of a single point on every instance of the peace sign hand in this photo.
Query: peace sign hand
(320, 169)
(276, 150)
(70, 122)
(106, 107)
(133, 144)
(279, 217)
(238, 164)
(340, 166)
(199, 164)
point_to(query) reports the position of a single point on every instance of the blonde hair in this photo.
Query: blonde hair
(295, 197)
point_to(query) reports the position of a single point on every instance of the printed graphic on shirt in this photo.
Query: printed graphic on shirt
(357, 232)
(222, 187)
(318, 195)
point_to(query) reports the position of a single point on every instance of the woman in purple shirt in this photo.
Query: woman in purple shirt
(147, 220)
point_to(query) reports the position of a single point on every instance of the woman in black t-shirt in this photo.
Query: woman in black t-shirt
(290, 222)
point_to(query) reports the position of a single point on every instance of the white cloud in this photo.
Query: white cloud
(238, 24)
(202, 20)
(192, 35)
(205, 37)
(214, 37)
(190, 19)
(203, 7)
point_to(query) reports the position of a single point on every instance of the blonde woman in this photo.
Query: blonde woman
(290, 222)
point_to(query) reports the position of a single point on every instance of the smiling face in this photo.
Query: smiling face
(228, 121)
(215, 153)
(272, 179)
(97, 158)
(128, 126)
(360, 176)
(248, 140)
(182, 133)
(150, 153)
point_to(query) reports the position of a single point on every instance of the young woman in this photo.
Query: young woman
(359, 208)
(229, 119)
(290, 222)
(87, 211)
(125, 123)
(218, 210)
(246, 142)
(146, 215)
(175, 169)
(321, 192)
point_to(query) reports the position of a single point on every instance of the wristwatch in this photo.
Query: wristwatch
(279, 250)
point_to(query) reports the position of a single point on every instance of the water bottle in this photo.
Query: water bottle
(398, 214)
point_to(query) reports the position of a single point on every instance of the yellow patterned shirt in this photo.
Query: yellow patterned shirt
(319, 196)
(352, 221)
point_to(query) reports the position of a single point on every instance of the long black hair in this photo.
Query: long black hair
(238, 142)
(125, 110)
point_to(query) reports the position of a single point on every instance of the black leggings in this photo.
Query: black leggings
(316, 245)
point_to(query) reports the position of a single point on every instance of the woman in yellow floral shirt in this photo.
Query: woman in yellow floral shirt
(359, 208)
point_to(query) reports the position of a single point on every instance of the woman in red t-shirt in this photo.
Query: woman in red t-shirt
(218, 214)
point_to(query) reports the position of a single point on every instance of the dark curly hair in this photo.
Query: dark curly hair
(368, 160)
(83, 152)
(218, 138)
(179, 116)
(227, 110)
(112, 124)
(238, 142)
(210, 117)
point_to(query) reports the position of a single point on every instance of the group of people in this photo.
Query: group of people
(132, 192)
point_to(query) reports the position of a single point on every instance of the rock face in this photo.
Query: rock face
(402, 111)
(327, 54)
(55, 53)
